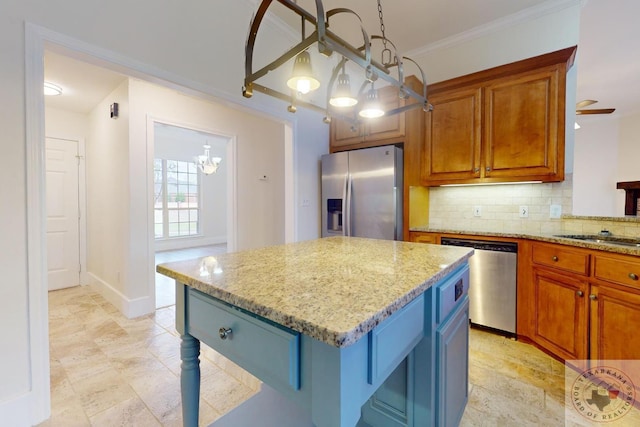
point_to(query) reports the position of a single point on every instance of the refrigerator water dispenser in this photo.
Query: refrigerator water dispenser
(334, 217)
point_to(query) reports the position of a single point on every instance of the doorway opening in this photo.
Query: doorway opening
(192, 212)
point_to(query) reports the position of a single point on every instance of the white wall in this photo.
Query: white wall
(65, 124)
(607, 152)
(260, 151)
(199, 46)
(107, 175)
(596, 169)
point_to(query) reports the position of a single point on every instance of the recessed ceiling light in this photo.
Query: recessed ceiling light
(51, 89)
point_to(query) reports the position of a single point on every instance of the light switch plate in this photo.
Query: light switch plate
(555, 211)
(477, 211)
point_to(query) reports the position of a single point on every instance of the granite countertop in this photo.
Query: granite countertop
(551, 238)
(333, 289)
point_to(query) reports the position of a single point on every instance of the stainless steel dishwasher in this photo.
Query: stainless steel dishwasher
(492, 282)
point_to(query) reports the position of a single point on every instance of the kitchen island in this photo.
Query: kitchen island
(326, 322)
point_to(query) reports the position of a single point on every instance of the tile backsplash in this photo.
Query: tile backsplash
(453, 208)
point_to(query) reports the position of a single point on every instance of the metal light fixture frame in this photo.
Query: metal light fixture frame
(328, 42)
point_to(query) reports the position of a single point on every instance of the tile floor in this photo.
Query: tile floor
(107, 370)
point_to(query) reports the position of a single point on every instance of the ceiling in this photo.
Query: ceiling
(607, 61)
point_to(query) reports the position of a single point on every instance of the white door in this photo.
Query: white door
(63, 241)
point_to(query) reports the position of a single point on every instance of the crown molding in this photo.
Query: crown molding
(546, 8)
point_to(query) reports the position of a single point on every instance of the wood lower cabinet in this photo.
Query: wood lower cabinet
(585, 304)
(615, 319)
(419, 237)
(561, 309)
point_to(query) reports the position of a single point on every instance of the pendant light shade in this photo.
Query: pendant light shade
(342, 96)
(302, 79)
(372, 107)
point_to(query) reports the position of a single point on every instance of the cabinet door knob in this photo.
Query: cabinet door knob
(488, 169)
(224, 333)
(593, 297)
(579, 293)
(554, 258)
(633, 276)
(476, 170)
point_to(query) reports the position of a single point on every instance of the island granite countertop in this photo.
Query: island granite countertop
(333, 289)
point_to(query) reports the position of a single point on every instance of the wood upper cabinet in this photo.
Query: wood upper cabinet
(506, 124)
(521, 137)
(367, 132)
(453, 136)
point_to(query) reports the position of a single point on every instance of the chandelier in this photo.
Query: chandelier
(206, 163)
(340, 98)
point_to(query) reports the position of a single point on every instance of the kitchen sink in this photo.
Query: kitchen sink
(594, 238)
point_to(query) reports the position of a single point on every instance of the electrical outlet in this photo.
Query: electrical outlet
(555, 211)
(524, 211)
(306, 203)
(477, 211)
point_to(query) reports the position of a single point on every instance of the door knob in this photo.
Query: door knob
(224, 333)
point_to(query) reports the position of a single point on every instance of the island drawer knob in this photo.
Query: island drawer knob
(633, 276)
(554, 258)
(224, 333)
(579, 293)
(593, 297)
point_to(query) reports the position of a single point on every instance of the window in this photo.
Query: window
(176, 198)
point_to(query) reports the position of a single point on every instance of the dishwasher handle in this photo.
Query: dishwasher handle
(487, 245)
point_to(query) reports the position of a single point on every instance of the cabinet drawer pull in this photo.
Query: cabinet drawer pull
(579, 293)
(554, 258)
(593, 297)
(633, 276)
(224, 333)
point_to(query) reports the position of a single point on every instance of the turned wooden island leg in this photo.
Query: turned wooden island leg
(190, 380)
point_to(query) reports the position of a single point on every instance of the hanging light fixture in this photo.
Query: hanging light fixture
(372, 107)
(342, 96)
(389, 68)
(302, 79)
(207, 164)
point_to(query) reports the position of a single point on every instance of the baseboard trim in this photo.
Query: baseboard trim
(15, 412)
(129, 307)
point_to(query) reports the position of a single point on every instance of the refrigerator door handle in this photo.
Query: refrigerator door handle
(346, 222)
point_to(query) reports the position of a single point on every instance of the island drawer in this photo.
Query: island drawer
(617, 269)
(269, 351)
(451, 293)
(558, 257)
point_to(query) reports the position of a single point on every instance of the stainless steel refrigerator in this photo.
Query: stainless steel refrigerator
(362, 193)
